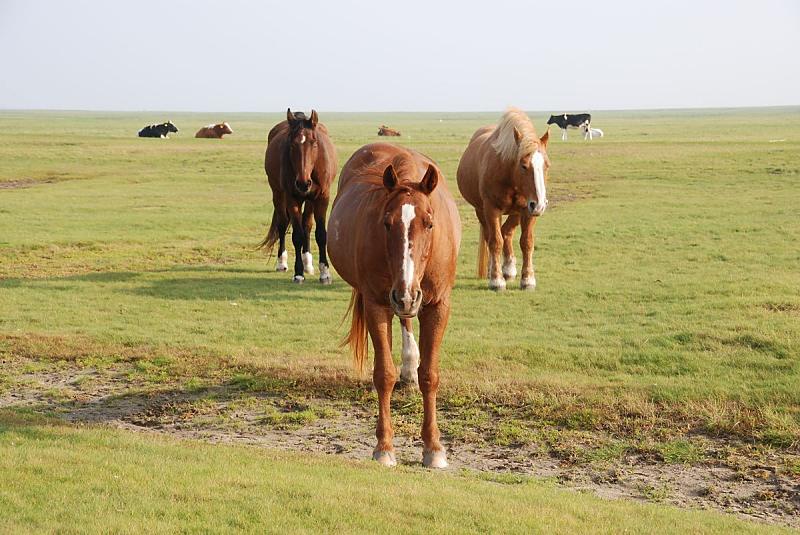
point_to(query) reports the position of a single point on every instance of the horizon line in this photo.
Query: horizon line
(676, 108)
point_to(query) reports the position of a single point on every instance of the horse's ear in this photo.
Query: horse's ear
(545, 138)
(429, 181)
(517, 135)
(314, 118)
(389, 178)
(289, 115)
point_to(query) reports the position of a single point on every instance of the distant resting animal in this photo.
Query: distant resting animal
(395, 235)
(566, 120)
(504, 171)
(300, 162)
(158, 130)
(214, 131)
(590, 133)
(386, 131)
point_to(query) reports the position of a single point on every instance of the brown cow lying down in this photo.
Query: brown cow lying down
(386, 131)
(214, 130)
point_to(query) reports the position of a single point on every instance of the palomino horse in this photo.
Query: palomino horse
(395, 234)
(503, 172)
(300, 164)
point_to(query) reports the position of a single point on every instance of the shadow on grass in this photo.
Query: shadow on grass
(229, 288)
(261, 284)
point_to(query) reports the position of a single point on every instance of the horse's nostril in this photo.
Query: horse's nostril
(394, 298)
(418, 296)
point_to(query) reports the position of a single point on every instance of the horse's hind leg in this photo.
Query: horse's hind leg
(526, 241)
(282, 221)
(410, 354)
(494, 239)
(384, 376)
(321, 234)
(432, 323)
(308, 220)
(509, 262)
(298, 239)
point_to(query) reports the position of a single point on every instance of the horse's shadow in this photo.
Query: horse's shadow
(230, 284)
(232, 288)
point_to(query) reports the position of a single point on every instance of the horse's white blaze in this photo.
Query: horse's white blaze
(410, 354)
(537, 162)
(407, 216)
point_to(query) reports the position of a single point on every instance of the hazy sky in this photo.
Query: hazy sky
(402, 55)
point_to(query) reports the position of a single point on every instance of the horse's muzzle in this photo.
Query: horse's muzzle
(402, 308)
(303, 186)
(536, 209)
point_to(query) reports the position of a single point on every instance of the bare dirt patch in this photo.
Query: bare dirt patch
(339, 419)
(28, 182)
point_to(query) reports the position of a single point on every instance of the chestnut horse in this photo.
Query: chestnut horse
(503, 172)
(300, 163)
(395, 234)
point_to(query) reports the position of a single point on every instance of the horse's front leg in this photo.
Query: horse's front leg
(321, 234)
(526, 241)
(509, 262)
(494, 239)
(432, 323)
(298, 238)
(308, 218)
(379, 324)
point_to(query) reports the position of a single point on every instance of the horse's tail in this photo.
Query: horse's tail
(273, 235)
(483, 255)
(357, 337)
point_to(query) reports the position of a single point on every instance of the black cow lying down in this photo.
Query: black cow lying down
(158, 130)
(566, 120)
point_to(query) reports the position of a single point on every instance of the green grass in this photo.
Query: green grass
(94, 480)
(668, 296)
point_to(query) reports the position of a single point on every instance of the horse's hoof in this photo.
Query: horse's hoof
(298, 279)
(386, 458)
(497, 285)
(411, 383)
(324, 274)
(434, 459)
(308, 264)
(510, 269)
(528, 283)
(283, 262)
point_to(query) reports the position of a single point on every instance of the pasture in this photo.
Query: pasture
(658, 359)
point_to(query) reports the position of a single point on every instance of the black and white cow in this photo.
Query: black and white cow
(566, 120)
(158, 130)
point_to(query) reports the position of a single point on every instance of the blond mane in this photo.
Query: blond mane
(505, 142)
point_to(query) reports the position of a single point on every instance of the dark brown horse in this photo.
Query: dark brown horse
(503, 172)
(301, 165)
(395, 234)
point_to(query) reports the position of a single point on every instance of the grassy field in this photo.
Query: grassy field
(666, 322)
(124, 481)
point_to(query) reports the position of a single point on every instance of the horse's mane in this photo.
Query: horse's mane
(505, 142)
